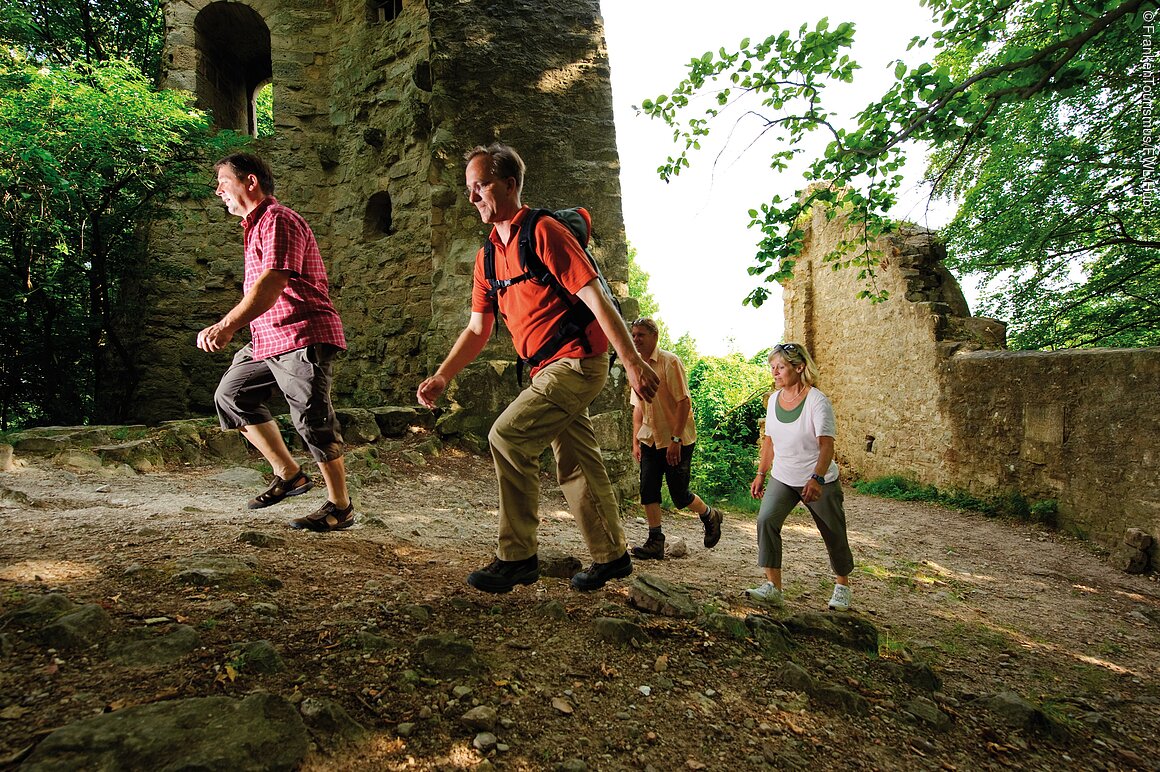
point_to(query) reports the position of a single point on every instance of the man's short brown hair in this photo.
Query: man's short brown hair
(503, 162)
(245, 164)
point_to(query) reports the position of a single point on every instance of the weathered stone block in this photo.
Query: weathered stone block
(359, 426)
(1137, 538)
(142, 455)
(395, 421)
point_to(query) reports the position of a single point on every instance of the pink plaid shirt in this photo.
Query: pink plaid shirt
(277, 238)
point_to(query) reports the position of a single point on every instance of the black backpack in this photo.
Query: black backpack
(578, 316)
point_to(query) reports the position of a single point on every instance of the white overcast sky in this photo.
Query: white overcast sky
(691, 234)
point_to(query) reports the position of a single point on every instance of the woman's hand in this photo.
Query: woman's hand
(812, 492)
(757, 487)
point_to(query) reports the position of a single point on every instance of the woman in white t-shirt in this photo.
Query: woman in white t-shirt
(797, 452)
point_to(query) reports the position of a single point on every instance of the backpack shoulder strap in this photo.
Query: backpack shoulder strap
(489, 277)
(530, 260)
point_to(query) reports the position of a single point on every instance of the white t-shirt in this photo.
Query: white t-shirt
(795, 445)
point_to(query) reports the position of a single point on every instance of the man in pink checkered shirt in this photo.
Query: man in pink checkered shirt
(295, 333)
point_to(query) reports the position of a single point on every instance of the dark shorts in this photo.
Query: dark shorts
(654, 466)
(303, 376)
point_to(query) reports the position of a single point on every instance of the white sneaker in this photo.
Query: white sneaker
(840, 600)
(766, 593)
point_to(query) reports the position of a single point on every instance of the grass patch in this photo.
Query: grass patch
(890, 647)
(125, 433)
(1004, 504)
(739, 502)
(961, 638)
(911, 575)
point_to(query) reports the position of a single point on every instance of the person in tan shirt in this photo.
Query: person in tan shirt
(665, 435)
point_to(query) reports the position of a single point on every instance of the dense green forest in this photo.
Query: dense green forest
(90, 150)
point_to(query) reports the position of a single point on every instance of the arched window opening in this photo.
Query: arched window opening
(264, 110)
(233, 62)
(377, 220)
(383, 10)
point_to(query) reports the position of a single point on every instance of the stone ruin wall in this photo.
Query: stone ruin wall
(368, 113)
(946, 404)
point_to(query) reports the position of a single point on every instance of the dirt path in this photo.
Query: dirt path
(992, 606)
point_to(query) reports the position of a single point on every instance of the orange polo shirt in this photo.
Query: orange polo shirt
(532, 311)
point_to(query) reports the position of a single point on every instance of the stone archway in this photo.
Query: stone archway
(232, 43)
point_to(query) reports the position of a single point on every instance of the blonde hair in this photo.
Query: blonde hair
(796, 354)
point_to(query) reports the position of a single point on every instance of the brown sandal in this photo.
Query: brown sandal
(328, 517)
(280, 489)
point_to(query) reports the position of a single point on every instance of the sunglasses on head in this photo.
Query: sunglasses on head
(790, 347)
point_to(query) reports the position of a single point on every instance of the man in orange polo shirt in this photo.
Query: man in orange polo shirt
(554, 408)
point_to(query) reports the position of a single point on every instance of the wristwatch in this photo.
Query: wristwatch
(675, 438)
(821, 480)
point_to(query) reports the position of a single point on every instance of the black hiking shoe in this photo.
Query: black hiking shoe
(712, 522)
(652, 549)
(502, 575)
(598, 574)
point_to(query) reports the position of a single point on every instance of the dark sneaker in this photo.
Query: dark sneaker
(328, 517)
(712, 522)
(652, 549)
(502, 575)
(598, 574)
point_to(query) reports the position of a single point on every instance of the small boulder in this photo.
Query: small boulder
(559, 566)
(262, 732)
(359, 426)
(621, 631)
(77, 629)
(481, 718)
(660, 596)
(148, 647)
(448, 655)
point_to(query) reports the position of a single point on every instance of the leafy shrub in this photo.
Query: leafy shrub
(727, 402)
(895, 487)
(1005, 504)
(1046, 512)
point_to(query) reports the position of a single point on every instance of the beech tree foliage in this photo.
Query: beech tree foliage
(61, 32)
(1033, 114)
(88, 153)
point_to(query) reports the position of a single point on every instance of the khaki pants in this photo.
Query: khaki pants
(554, 409)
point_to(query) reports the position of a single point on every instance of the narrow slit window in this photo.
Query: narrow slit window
(383, 10)
(377, 219)
(264, 110)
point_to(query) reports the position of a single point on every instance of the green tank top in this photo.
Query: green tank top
(788, 416)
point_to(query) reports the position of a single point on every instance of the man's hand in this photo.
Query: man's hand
(641, 378)
(430, 390)
(636, 449)
(673, 454)
(215, 337)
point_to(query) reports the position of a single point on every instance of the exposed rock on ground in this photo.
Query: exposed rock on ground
(151, 616)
